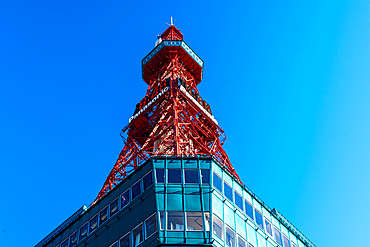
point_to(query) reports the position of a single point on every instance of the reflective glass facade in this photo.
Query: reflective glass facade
(176, 201)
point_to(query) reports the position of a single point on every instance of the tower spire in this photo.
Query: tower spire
(172, 119)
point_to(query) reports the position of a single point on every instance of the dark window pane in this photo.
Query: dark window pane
(83, 232)
(174, 176)
(249, 210)
(125, 241)
(65, 243)
(103, 215)
(268, 227)
(259, 219)
(73, 239)
(147, 180)
(192, 176)
(136, 190)
(286, 241)
(150, 225)
(175, 221)
(93, 223)
(205, 176)
(241, 242)
(238, 200)
(217, 182)
(137, 233)
(160, 175)
(228, 191)
(113, 207)
(277, 236)
(218, 227)
(125, 198)
(230, 237)
(194, 221)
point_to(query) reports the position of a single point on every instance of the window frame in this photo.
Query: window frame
(183, 221)
(87, 231)
(114, 244)
(110, 207)
(70, 238)
(186, 217)
(272, 233)
(132, 194)
(227, 227)
(246, 209)
(213, 182)
(198, 176)
(133, 236)
(127, 234)
(222, 226)
(168, 176)
(155, 224)
(101, 223)
(232, 194)
(239, 237)
(255, 213)
(97, 223)
(242, 209)
(129, 199)
(144, 189)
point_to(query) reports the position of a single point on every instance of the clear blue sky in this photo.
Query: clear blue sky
(288, 81)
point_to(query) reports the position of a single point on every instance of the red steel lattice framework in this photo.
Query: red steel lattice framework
(172, 119)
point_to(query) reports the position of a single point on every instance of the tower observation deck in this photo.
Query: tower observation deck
(173, 184)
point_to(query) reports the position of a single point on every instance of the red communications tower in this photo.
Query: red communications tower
(172, 119)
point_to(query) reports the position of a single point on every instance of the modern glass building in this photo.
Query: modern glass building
(177, 201)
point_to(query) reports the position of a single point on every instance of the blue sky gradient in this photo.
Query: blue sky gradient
(288, 81)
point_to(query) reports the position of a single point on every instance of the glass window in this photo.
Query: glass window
(194, 221)
(114, 244)
(160, 175)
(136, 190)
(73, 239)
(83, 232)
(113, 207)
(174, 176)
(277, 236)
(205, 176)
(64, 243)
(230, 237)
(150, 226)
(249, 210)
(217, 182)
(218, 228)
(103, 216)
(206, 217)
(93, 223)
(241, 242)
(175, 221)
(268, 227)
(125, 241)
(238, 200)
(259, 219)
(161, 220)
(286, 241)
(148, 180)
(125, 198)
(137, 233)
(191, 176)
(228, 191)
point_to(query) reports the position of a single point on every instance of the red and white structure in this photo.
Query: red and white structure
(172, 119)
